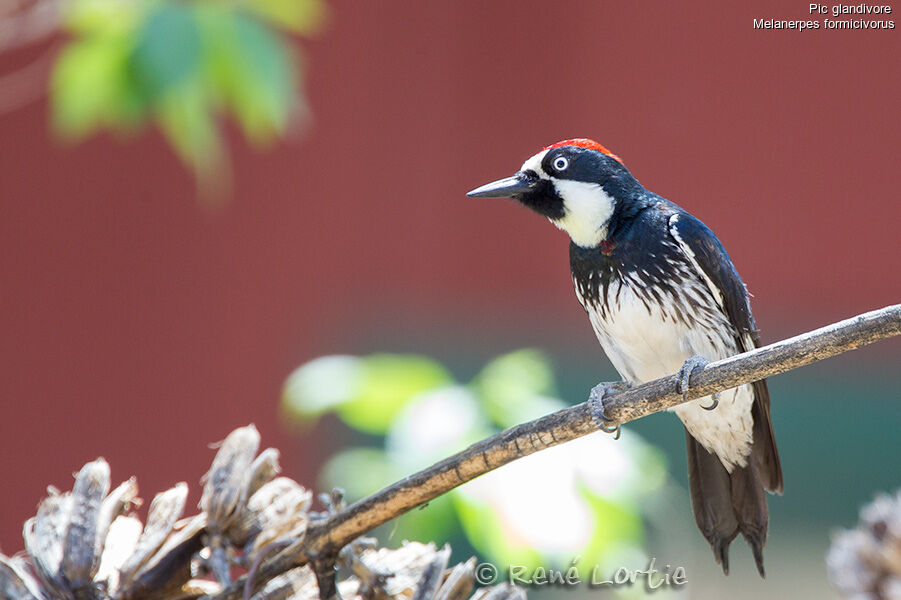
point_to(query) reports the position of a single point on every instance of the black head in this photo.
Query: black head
(574, 183)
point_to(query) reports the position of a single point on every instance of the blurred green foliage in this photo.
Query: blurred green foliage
(182, 65)
(579, 501)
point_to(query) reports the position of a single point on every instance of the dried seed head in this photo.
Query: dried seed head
(121, 538)
(44, 535)
(432, 576)
(866, 561)
(277, 511)
(394, 572)
(164, 511)
(501, 591)
(459, 582)
(263, 469)
(169, 569)
(80, 555)
(83, 544)
(226, 482)
(16, 583)
(295, 584)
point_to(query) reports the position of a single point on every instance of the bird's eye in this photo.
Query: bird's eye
(560, 163)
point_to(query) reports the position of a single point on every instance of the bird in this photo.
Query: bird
(663, 297)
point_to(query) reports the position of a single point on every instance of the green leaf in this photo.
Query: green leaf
(102, 16)
(252, 72)
(435, 521)
(367, 393)
(90, 86)
(299, 16)
(167, 50)
(182, 63)
(433, 425)
(185, 118)
(617, 524)
(363, 471)
(485, 531)
(321, 385)
(359, 472)
(516, 387)
(387, 383)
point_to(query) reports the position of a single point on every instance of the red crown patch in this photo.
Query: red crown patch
(585, 143)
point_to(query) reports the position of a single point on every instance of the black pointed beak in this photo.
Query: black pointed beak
(505, 188)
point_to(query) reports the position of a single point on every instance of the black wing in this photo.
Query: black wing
(705, 251)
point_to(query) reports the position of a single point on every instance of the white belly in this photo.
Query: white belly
(644, 345)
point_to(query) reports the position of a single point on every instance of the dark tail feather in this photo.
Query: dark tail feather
(711, 499)
(764, 451)
(725, 504)
(749, 503)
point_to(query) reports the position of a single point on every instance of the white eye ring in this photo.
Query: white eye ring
(561, 163)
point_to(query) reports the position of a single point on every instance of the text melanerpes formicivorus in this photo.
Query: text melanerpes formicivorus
(660, 292)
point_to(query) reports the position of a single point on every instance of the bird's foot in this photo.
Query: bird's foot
(596, 404)
(690, 366)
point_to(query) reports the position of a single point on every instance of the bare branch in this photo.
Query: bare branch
(326, 537)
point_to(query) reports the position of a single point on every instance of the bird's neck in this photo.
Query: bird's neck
(606, 221)
(627, 213)
(623, 256)
(587, 211)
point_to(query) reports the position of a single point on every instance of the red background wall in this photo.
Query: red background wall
(139, 325)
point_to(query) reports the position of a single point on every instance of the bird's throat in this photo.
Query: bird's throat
(587, 211)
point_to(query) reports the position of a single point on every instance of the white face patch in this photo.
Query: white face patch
(534, 164)
(588, 210)
(587, 206)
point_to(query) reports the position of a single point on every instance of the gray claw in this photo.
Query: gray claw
(596, 402)
(716, 402)
(693, 363)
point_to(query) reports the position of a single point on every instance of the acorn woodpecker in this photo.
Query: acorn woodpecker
(662, 296)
